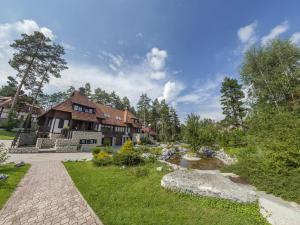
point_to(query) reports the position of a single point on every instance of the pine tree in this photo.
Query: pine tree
(175, 124)
(30, 53)
(54, 64)
(154, 115)
(232, 102)
(143, 107)
(88, 90)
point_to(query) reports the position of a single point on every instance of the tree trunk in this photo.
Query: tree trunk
(15, 99)
(36, 95)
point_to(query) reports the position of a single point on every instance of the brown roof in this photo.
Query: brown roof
(109, 115)
(25, 107)
(115, 116)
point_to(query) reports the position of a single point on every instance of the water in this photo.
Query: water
(202, 164)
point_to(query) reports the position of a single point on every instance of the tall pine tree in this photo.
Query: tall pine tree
(232, 102)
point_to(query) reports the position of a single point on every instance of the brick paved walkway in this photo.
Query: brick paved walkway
(47, 195)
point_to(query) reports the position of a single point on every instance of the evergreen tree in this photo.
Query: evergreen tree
(10, 88)
(165, 122)
(143, 107)
(232, 102)
(54, 64)
(101, 96)
(88, 90)
(126, 103)
(154, 115)
(175, 124)
(30, 54)
(116, 101)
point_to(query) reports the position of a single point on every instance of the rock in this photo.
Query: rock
(3, 176)
(190, 158)
(226, 159)
(147, 155)
(167, 153)
(207, 183)
(20, 164)
(159, 169)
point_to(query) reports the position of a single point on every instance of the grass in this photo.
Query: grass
(7, 135)
(8, 186)
(285, 185)
(127, 197)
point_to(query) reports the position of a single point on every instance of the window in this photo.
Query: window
(61, 123)
(84, 109)
(118, 117)
(106, 115)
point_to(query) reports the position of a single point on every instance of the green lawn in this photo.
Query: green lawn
(7, 135)
(119, 197)
(8, 186)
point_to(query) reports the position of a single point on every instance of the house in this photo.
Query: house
(22, 109)
(88, 122)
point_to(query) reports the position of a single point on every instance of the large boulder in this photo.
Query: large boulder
(207, 183)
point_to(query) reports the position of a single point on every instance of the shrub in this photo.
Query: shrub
(102, 159)
(95, 151)
(145, 141)
(127, 147)
(12, 121)
(156, 151)
(141, 172)
(127, 159)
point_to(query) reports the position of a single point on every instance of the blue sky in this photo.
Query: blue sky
(178, 50)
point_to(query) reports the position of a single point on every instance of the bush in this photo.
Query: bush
(95, 151)
(102, 159)
(127, 159)
(141, 172)
(127, 147)
(12, 121)
(145, 141)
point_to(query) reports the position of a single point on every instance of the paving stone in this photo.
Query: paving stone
(47, 195)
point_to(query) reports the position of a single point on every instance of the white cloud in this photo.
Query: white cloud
(129, 83)
(160, 75)
(157, 59)
(29, 26)
(171, 91)
(204, 99)
(295, 38)
(247, 34)
(275, 32)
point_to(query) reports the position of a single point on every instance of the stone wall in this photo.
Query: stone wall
(27, 138)
(45, 142)
(87, 135)
(66, 145)
(23, 150)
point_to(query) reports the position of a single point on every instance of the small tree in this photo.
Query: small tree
(191, 131)
(127, 147)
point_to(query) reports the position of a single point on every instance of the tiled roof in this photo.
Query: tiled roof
(109, 115)
(7, 101)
